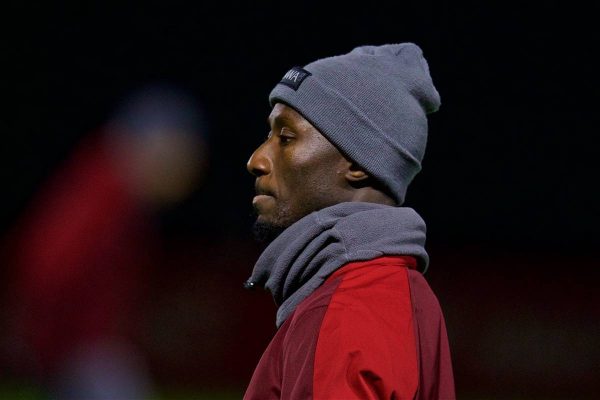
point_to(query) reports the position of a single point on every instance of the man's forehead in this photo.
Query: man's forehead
(283, 113)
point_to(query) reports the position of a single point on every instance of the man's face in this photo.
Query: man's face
(297, 171)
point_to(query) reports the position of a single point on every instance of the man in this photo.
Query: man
(83, 249)
(356, 319)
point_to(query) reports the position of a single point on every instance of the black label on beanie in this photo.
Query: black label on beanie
(294, 77)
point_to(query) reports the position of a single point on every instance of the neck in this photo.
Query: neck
(307, 252)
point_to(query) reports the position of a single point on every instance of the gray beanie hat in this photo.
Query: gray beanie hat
(372, 104)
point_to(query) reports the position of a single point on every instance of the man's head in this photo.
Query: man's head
(299, 171)
(345, 128)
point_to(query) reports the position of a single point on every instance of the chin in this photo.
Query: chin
(264, 219)
(266, 231)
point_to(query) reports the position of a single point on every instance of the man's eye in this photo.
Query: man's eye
(285, 139)
(285, 136)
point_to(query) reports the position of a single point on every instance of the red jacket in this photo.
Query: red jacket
(373, 330)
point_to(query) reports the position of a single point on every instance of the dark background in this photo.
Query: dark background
(508, 188)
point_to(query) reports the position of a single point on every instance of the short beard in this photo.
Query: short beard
(265, 232)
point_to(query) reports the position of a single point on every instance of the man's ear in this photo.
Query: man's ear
(356, 174)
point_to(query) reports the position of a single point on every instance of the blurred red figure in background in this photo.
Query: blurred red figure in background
(83, 248)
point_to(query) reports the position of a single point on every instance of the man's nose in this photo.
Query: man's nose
(259, 163)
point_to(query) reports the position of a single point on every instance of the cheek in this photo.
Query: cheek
(312, 185)
(310, 173)
(301, 173)
(323, 168)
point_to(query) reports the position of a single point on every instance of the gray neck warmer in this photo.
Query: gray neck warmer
(306, 253)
